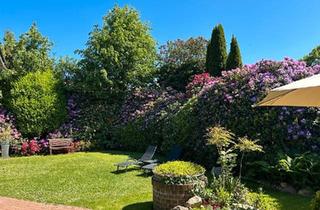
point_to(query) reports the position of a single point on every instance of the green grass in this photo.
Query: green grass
(286, 201)
(290, 202)
(88, 180)
(80, 179)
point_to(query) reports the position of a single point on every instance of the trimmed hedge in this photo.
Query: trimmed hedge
(38, 103)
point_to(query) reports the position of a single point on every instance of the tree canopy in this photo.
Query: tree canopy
(313, 57)
(181, 59)
(30, 53)
(118, 56)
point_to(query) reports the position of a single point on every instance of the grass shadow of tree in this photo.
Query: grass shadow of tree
(139, 206)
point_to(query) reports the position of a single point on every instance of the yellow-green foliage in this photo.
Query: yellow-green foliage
(262, 201)
(179, 168)
(38, 103)
(315, 203)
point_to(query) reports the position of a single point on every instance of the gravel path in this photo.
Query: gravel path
(15, 204)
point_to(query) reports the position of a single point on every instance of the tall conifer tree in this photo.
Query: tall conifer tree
(234, 58)
(216, 52)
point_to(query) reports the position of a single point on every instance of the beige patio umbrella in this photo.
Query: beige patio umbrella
(303, 93)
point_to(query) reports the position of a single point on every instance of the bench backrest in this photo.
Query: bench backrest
(60, 142)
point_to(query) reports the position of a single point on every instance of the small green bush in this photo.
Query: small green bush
(262, 201)
(38, 103)
(179, 168)
(315, 203)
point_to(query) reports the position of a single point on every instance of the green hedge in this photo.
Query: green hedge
(38, 103)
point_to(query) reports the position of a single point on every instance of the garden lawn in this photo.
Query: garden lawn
(79, 179)
(88, 180)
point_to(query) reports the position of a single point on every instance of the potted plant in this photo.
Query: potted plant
(5, 139)
(173, 183)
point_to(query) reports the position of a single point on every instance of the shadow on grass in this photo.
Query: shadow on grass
(139, 206)
(121, 171)
(135, 155)
(145, 174)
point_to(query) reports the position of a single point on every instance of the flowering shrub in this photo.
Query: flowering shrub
(198, 82)
(7, 118)
(30, 147)
(68, 128)
(228, 100)
(143, 116)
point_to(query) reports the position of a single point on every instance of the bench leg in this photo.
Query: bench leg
(50, 151)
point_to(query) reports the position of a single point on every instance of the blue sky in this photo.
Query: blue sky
(269, 29)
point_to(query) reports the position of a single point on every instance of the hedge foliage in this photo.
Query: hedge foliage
(143, 116)
(38, 103)
(225, 100)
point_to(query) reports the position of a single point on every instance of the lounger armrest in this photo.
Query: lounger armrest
(150, 161)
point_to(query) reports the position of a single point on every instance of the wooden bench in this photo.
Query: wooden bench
(59, 144)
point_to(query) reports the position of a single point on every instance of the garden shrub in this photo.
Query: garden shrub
(89, 122)
(7, 118)
(179, 126)
(179, 172)
(228, 100)
(225, 190)
(179, 168)
(262, 201)
(38, 103)
(143, 116)
(93, 122)
(315, 203)
(301, 170)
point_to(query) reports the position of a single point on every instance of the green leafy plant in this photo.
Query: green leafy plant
(227, 145)
(29, 53)
(246, 145)
(315, 203)
(301, 170)
(313, 58)
(223, 140)
(6, 133)
(38, 103)
(262, 201)
(179, 172)
(179, 60)
(120, 55)
(223, 197)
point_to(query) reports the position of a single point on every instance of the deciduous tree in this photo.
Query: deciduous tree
(118, 56)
